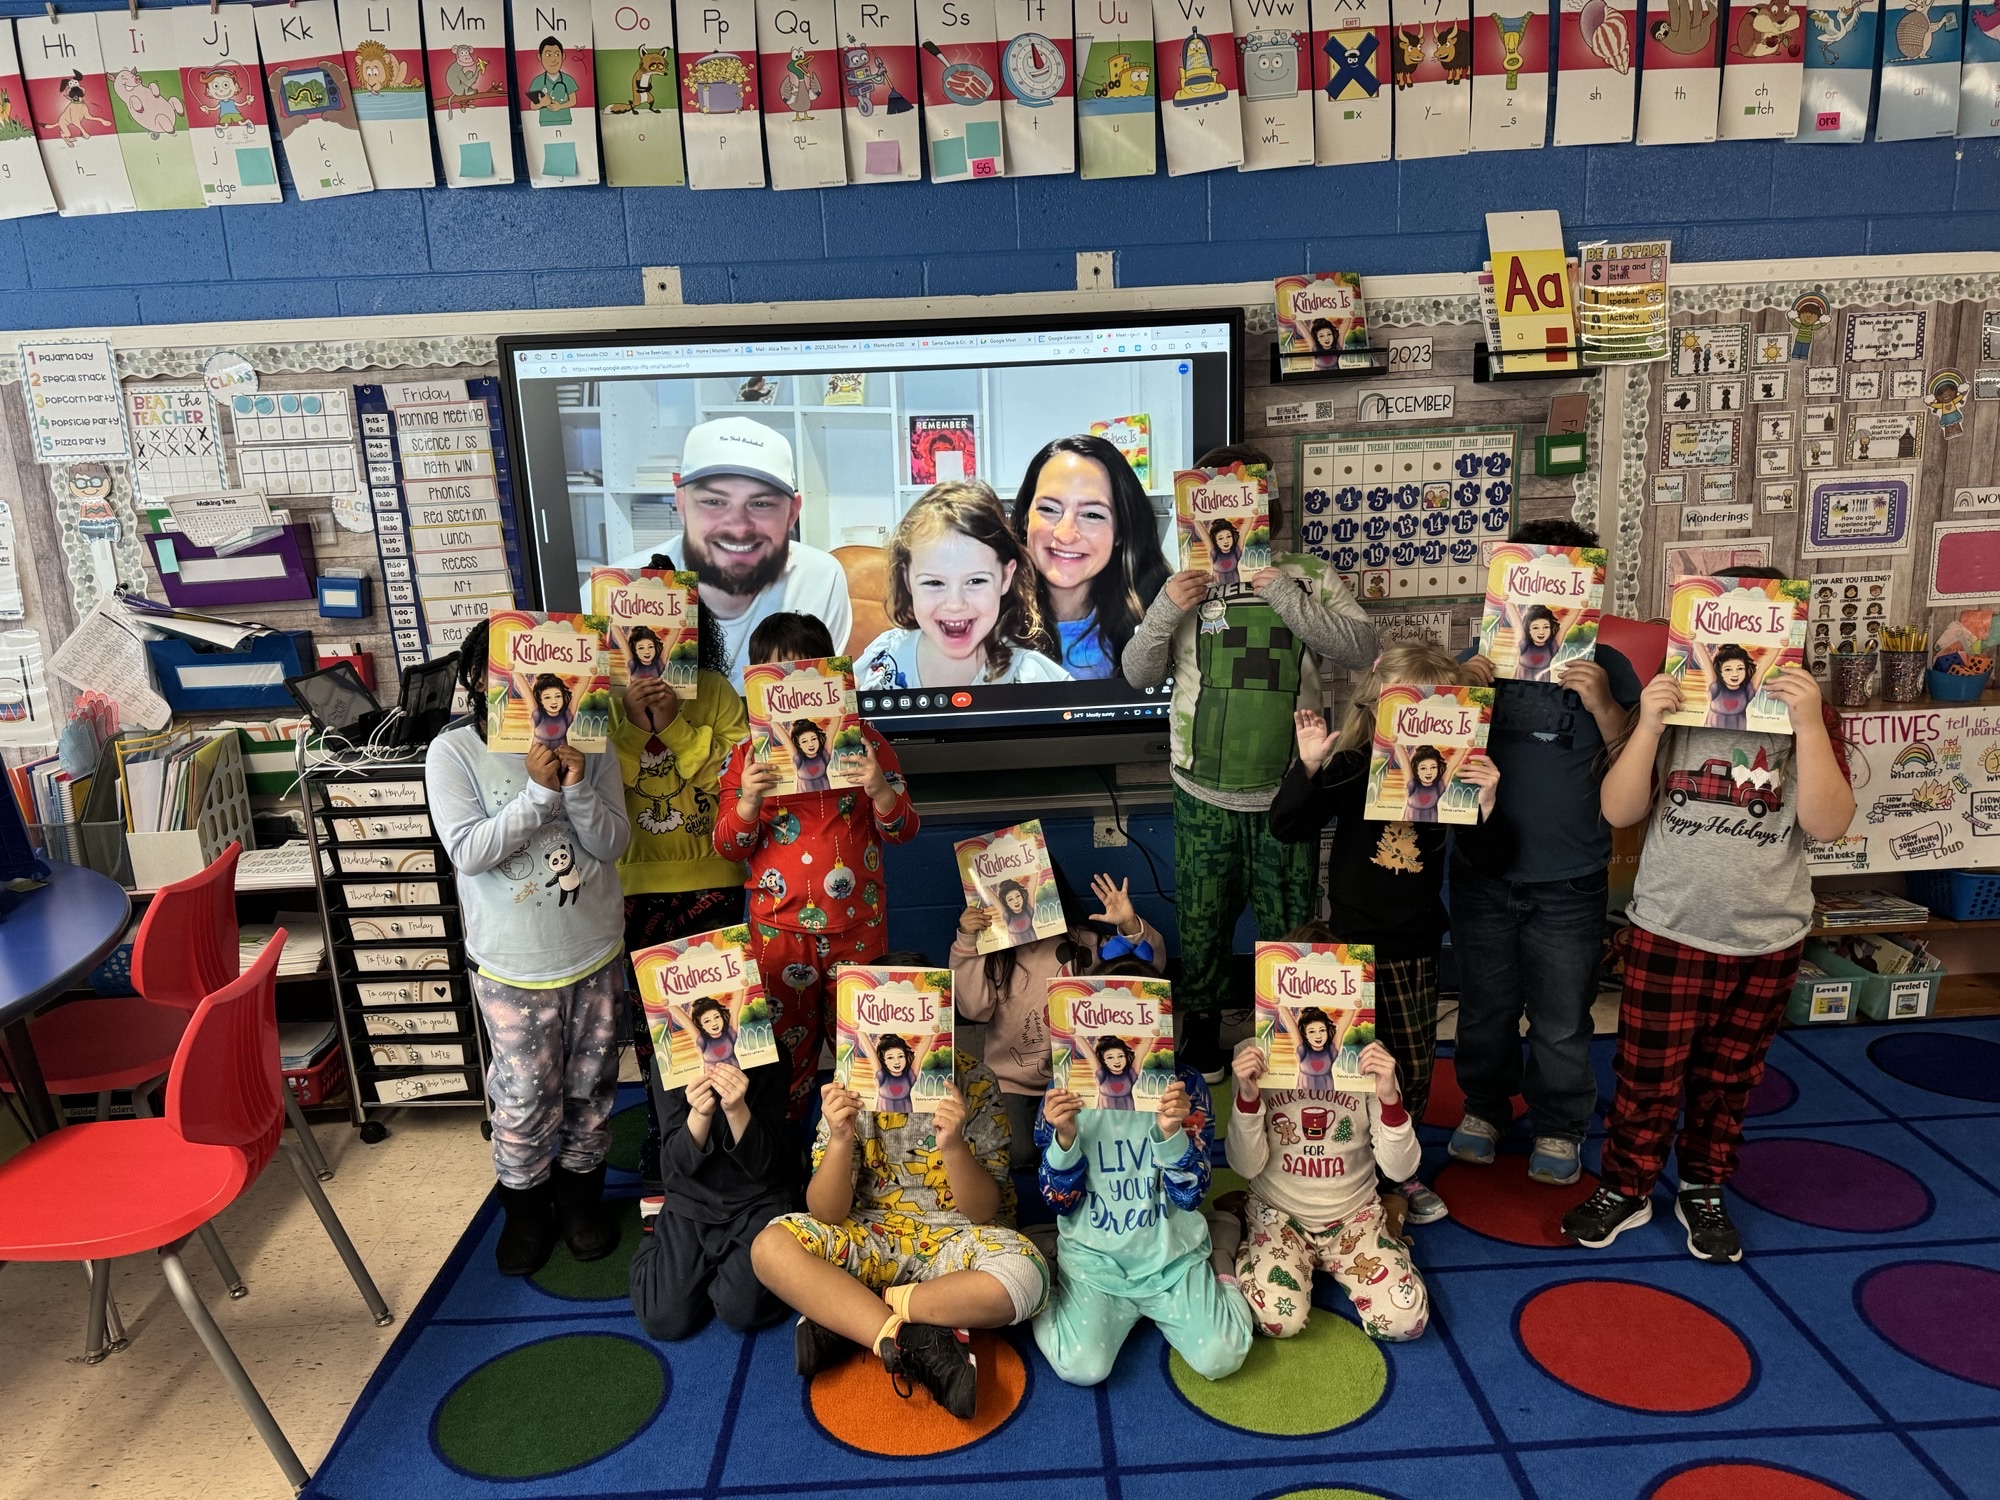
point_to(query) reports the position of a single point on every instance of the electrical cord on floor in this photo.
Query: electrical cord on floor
(1118, 822)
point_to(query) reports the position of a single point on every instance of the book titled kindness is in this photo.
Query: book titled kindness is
(652, 626)
(894, 1035)
(546, 682)
(1725, 637)
(705, 1004)
(804, 722)
(1112, 1039)
(1424, 738)
(1542, 609)
(1315, 1012)
(1223, 517)
(1009, 873)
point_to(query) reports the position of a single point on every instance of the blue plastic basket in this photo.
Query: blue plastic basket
(1962, 895)
(1950, 687)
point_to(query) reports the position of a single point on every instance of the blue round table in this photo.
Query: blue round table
(51, 940)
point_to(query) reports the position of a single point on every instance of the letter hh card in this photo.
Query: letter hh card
(1725, 637)
(1201, 116)
(705, 1004)
(1432, 70)
(545, 681)
(803, 722)
(555, 90)
(894, 1036)
(313, 97)
(467, 53)
(1112, 1039)
(878, 89)
(719, 122)
(1115, 95)
(638, 114)
(798, 53)
(69, 99)
(146, 102)
(1224, 520)
(1510, 84)
(1009, 873)
(1271, 41)
(1424, 737)
(1597, 86)
(1542, 608)
(225, 104)
(1350, 58)
(1037, 85)
(1315, 1012)
(652, 620)
(384, 46)
(24, 181)
(1321, 321)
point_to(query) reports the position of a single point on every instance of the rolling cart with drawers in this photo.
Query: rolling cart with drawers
(395, 938)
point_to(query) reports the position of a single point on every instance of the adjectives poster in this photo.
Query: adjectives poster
(638, 119)
(383, 43)
(1350, 61)
(69, 100)
(1115, 100)
(956, 65)
(1272, 41)
(147, 106)
(1725, 637)
(878, 89)
(1201, 118)
(803, 136)
(555, 90)
(1682, 88)
(465, 48)
(1431, 66)
(718, 92)
(1597, 80)
(1510, 84)
(1038, 66)
(233, 153)
(24, 181)
(314, 99)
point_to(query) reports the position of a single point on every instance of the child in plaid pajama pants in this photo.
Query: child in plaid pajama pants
(1719, 913)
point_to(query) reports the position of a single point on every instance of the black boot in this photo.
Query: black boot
(529, 1237)
(588, 1227)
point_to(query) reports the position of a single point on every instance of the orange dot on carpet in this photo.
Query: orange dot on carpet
(1743, 1482)
(856, 1406)
(1501, 1203)
(1447, 1102)
(1634, 1346)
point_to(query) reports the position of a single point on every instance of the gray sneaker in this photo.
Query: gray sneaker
(1426, 1207)
(1474, 1141)
(1554, 1161)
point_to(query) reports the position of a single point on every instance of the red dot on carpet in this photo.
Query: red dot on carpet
(1447, 1102)
(1501, 1203)
(1634, 1346)
(856, 1404)
(1743, 1482)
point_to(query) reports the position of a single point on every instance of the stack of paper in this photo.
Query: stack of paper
(305, 942)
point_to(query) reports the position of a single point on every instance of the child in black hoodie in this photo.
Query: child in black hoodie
(727, 1172)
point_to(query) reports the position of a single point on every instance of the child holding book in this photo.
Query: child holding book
(818, 893)
(907, 1239)
(1384, 880)
(1312, 1161)
(1242, 661)
(962, 599)
(1127, 1188)
(1530, 937)
(1719, 912)
(1008, 990)
(548, 965)
(725, 1173)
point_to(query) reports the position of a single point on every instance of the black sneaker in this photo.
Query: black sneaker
(1603, 1216)
(816, 1348)
(1201, 1045)
(1711, 1236)
(941, 1361)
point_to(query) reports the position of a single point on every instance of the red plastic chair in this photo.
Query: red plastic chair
(96, 1191)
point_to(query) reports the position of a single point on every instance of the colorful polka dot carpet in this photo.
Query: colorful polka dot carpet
(1855, 1351)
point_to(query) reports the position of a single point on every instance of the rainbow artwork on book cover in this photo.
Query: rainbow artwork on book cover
(1725, 637)
(894, 1037)
(546, 682)
(1542, 609)
(1223, 517)
(1424, 736)
(804, 722)
(1112, 1039)
(705, 1004)
(652, 622)
(1315, 1012)
(1009, 873)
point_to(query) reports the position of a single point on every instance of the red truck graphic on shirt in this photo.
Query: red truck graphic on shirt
(1716, 782)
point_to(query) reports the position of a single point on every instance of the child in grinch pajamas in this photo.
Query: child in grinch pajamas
(1311, 1160)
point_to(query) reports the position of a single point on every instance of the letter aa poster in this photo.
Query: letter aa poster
(1432, 69)
(956, 68)
(1683, 84)
(878, 89)
(796, 48)
(233, 154)
(555, 90)
(384, 46)
(1839, 71)
(148, 108)
(1350, 58)
(466, 48)
(1597, 42)
(1201, 118)
(1510, 83)
(1920, 54)
(1272, 37)
(1979, 78)
(24, 181)
(718, 91)
(69, 99)
(314, 99)
(638, 121)
(1115, 99)
(1038, 66)
(1763, 65)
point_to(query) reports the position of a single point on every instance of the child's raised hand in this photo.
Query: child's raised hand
(1248, 1065)
(1116, 899)
(1484, 774)
(651, 704)
(949, 1118)
(1476, 671)
(873, 780)
(975, 920)
(1591, 683)
(842, 1108)
(701, 1095)
(1173, 1109)
(1660, 697)
(1795, 688)
(544, 768)
(730, 1083)
(1315, 739)
(1186, 588)
(1380, 1066)
(760, 778)
(1263, 578)
(572, 764)
(1060, 1108)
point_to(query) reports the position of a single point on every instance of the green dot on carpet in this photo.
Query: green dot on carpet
(550, 1406)
(595, 1280)
(1331, 1374)
(628, 1134)
(1328, 1495)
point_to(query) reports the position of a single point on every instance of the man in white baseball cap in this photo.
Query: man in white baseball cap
(738, 495)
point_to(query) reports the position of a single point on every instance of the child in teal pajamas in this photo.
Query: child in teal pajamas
(1127, 1189)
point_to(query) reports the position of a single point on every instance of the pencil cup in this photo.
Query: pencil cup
(1852, 672)
(1903, 676)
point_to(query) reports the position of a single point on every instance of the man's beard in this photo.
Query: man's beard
(747, 579)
